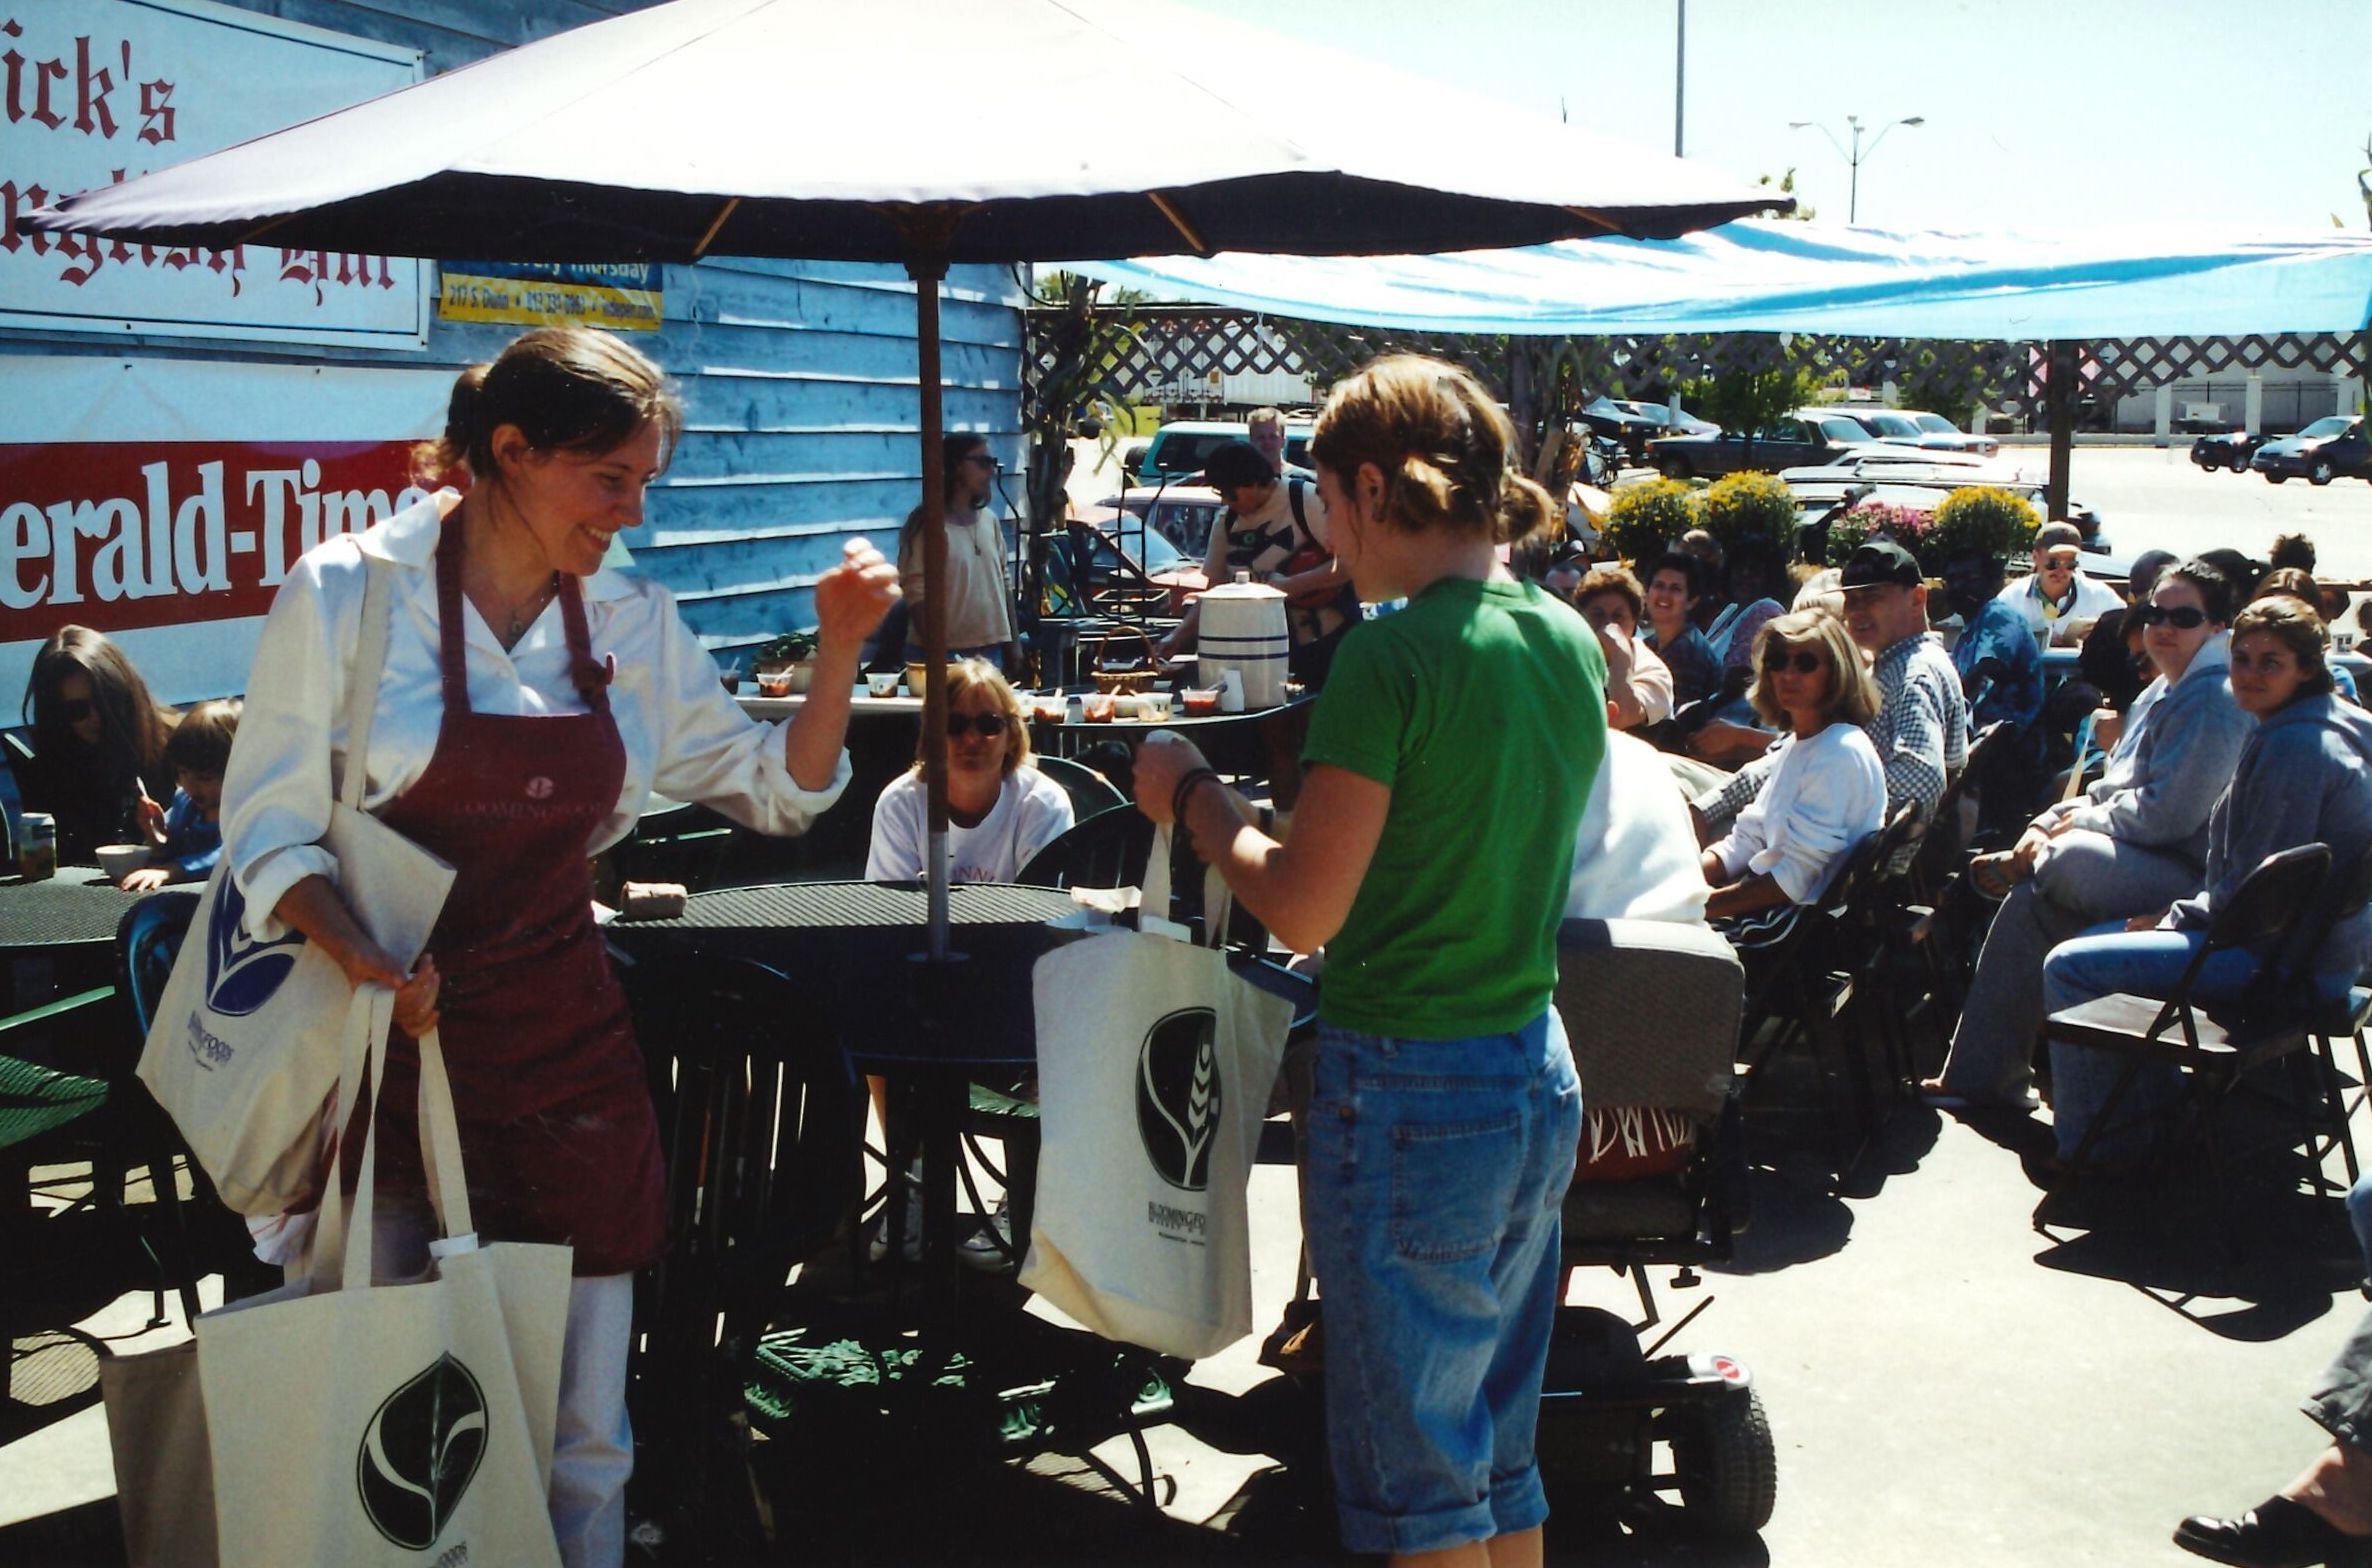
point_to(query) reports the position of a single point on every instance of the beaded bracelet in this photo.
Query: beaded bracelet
(1186, 786)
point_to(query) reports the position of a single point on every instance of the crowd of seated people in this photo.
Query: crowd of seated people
(2131, 843)
(2213, 744)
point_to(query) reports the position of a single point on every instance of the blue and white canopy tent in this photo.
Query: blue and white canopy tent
(1772, 275)
(1766, 275)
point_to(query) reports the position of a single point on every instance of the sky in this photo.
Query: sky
(2039, 114)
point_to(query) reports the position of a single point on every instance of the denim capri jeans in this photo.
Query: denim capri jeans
(1435, 1174)
(2342, 1399)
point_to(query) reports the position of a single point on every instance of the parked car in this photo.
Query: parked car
(1885, 460)
(1805, 438)
(2331, 448)
(2229, 449)
(1634, 424)
(1122, 570)
(1915, 427)
(1182, 514)
(1179, 449)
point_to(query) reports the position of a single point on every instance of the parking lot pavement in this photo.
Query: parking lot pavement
(2158, 499)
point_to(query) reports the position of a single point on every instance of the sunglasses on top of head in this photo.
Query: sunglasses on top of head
(990, 725)
(2182, 617)
(1805, 661)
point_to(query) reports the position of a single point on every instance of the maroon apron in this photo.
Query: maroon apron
(557, 1129)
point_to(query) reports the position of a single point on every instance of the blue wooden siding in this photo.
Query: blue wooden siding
(798, 377)
(802, 403)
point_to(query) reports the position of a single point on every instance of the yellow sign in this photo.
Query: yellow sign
(622, 296)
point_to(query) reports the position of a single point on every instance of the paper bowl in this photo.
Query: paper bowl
(121, 860)
(883, 683)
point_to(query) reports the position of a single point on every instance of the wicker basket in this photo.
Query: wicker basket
(1130, 680)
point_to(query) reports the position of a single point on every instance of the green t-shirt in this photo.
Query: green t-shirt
(1482, 707)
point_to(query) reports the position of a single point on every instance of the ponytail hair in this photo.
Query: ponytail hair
(1443, 445)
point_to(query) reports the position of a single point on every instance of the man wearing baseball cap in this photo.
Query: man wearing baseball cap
(2059, 602)
(1921, 730)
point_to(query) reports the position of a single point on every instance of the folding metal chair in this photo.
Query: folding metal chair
(2214, 1043)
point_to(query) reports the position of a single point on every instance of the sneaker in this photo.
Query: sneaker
(990, 1253)
(910, 1248)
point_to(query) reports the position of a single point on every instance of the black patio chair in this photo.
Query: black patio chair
(1801, 992)
(760, 1123)
(2215, 1044)
(674, 841)
(84, 1107)
(1091, 793)
(1104, 850)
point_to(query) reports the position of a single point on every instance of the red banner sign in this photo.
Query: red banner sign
(114, 535)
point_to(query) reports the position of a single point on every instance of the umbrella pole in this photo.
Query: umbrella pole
(927, 266)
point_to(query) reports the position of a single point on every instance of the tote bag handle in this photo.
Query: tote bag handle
(1153, 904)
(347, 1239)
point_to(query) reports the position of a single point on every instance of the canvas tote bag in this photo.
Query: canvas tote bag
(1154, 1067)
(244, 1047)
(412, 1424)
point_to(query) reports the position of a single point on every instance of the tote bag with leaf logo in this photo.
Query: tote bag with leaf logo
(244, 1047)
(1154, 1067)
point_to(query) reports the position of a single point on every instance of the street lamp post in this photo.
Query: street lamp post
(1855, 154)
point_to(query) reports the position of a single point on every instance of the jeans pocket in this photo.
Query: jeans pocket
(1453, 1186)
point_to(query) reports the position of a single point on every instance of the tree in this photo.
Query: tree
(1745, 400)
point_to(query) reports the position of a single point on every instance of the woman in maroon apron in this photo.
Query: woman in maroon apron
(530, 705)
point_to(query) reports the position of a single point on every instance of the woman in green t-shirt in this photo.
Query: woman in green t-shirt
(1448, 761)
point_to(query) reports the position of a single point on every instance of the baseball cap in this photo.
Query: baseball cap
(1881, 561)
(1234, 463)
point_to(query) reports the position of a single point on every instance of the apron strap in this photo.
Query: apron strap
(452, 650)
(592, 679)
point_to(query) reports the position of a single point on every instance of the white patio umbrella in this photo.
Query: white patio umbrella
(924, 132)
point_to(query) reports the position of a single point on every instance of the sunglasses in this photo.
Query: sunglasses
(990, 725)
(75, 709)
(982, 458)
(2061, 562)
(2183, 617)
(1804, 661)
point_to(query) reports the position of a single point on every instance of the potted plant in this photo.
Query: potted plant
(1987, 518)
(792, 655)
(1643, 520)
(1750, 505)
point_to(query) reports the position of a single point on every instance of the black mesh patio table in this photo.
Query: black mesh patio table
(856, 947)
(77, 908)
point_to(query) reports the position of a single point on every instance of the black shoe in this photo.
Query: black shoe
(2277, 1533)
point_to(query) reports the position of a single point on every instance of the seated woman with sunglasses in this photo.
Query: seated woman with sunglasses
(1826, 792)
(98, 763)
(2134, 842)
(1000, 809)
(1000, 812)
